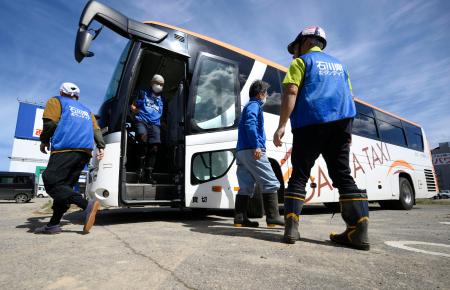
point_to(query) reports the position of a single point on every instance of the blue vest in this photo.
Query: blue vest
(325, 93)
(251, 133)
(150, 108)
(75, 129)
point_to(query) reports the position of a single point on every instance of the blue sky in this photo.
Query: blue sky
(397, 52)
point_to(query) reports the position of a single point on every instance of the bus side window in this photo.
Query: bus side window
(413, 136)
(215, 93)
(211, 165)
(273, 103)
(364, 123)
(391, 129)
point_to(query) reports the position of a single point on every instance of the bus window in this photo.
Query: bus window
(208, 166)
(391, 134)
(245, 63)
(365, 126)
(413, 136)
(363, 109)
(364, 123)
(215, 93)
(111, 91)
(388, 119)
(273, 102)
(391, 129)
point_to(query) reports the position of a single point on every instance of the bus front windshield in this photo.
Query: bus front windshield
(111, 91)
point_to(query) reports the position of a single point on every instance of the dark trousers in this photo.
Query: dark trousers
(149, 138)
(60, 176)
(332, 140)
(147, 154)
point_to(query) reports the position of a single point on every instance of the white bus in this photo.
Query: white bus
(206, 86)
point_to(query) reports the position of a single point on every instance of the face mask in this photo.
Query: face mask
(157, 88)
(263, 101)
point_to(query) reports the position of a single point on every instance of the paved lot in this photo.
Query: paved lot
(169, 249)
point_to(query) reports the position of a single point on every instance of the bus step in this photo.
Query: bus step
(161, 178)
(143, 191)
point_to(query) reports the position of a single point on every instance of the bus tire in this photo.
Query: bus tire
(255, 208)
(406, 199)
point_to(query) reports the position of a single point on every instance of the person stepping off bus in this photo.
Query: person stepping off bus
(318, 100)
(253, 166)
(148, 109)
(71, 129)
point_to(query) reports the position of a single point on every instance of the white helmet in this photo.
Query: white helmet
(70, 89)
(316, 31)
(158, 78)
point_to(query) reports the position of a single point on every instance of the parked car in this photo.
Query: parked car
(444, 194)
(41, 191)
(18, 186)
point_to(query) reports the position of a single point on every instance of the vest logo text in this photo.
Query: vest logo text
(330, 68)
(77, 113)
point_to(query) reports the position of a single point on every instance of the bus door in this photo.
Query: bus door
(213, 115)
(107, 180)
(169, 167)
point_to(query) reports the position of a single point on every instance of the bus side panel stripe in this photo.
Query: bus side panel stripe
(256, 73)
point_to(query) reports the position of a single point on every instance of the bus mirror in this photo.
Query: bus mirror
(82, 44)
(115, 21)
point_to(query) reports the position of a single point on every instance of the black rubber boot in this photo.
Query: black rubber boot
(240, 212)
(355, 212)
(293, 203)
(273, 218)
(140, 170)
(149, 175)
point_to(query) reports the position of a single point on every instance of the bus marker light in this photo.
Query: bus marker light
(217, 188)
(236, 188)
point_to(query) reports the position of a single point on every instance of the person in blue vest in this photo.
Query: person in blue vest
(253, 166)
(148, 110)
(318, 100)
(71, 129)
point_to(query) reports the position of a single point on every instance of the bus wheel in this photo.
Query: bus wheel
(406, 200)
(21, 198)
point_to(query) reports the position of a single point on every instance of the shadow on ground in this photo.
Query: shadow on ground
(212, 222)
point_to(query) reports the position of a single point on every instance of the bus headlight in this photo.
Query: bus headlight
(105, 193)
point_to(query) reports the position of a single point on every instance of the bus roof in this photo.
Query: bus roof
(390, 114)
(260, 59)
(223, 44)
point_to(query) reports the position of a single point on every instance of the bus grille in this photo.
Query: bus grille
(431, 185)
(178, 37)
